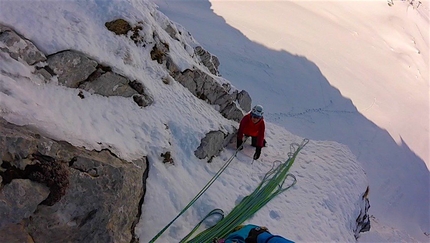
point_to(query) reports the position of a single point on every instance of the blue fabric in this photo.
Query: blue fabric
(240, 235)
(265, 237)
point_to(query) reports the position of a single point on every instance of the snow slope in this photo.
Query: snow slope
(331, 176)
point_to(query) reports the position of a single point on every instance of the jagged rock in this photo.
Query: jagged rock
(215, 93)
(19, 199)
(209, 60)
(51, 173)
(171, 31)
(143, 100)
(167, 158)
(72, 67)
(118, 26)
(232, 112)
(137, 86)
(363, 220)
(75, 69)
(109, 84)
(203, 86)
(212, 144)
(206, 88)
(171, 66)
(20, 48)
(15, 233)
(244, 100)
(102, 200)
(187, 80)
(45, 72)
(228, 87)
(159, 52)
(136, 37)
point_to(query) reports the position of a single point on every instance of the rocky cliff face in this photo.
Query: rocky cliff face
(51, 191)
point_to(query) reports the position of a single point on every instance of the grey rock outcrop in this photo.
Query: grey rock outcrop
(231, 111)
(23, 50)
(110, 84)
(207, 88)
(244, 100)
(212, 144)
(198, 80)
(201, 83)
(72, 67)
(76, 70)
(208, 60)
(19, 199)
(64, 192)
(19, 48)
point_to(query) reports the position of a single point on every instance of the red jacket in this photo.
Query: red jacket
(249, 128)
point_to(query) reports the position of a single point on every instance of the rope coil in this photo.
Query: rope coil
(211, 181)
(271, 185)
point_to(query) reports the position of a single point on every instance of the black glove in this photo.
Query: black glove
(239, 144)
(257, 153)
(254, 233)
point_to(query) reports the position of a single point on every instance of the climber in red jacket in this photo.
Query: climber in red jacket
(252, 125)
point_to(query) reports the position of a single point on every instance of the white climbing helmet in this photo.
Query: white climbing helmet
(257, 111)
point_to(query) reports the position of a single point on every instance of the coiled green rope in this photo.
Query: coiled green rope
(226, 164)
(270, 186)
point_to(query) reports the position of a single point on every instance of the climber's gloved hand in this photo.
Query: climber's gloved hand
(239, 144)
(254, 233)
(257, 153)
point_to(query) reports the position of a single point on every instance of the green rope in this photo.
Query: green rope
(271, 185)
(216, 211)
(226, 164)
